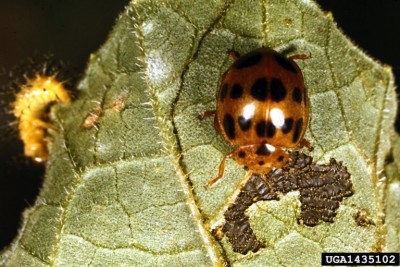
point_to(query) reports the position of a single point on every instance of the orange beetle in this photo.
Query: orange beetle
(262, 106)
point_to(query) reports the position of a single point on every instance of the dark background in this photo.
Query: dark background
(71, 30)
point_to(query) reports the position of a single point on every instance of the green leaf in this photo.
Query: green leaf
(129, 189)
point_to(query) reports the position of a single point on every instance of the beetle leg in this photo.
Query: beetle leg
(211, 113)
(300, 57)
(233, 54)
(206, 114)
(305, 143)
(220, 171)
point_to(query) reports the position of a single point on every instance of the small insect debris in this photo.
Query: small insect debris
(362, 219)
(92, 118)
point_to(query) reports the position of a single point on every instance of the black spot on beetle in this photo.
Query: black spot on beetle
(242, 154)
(261, 163)
(297, 131)
(224, 92)
(264, 128)
(270, 129)
(237, 91)
(248, 60)
(278, 91)
(244, 124)
(263, 150)
(287, 126)
(280, 158)
(260, 89)
(297, 95)
(285, 63)
(229, 126)
(261, 128)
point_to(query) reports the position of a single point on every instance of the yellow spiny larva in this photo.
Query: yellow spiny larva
(30, 108)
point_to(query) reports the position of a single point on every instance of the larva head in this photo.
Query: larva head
(38, 93)
(48, 87)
